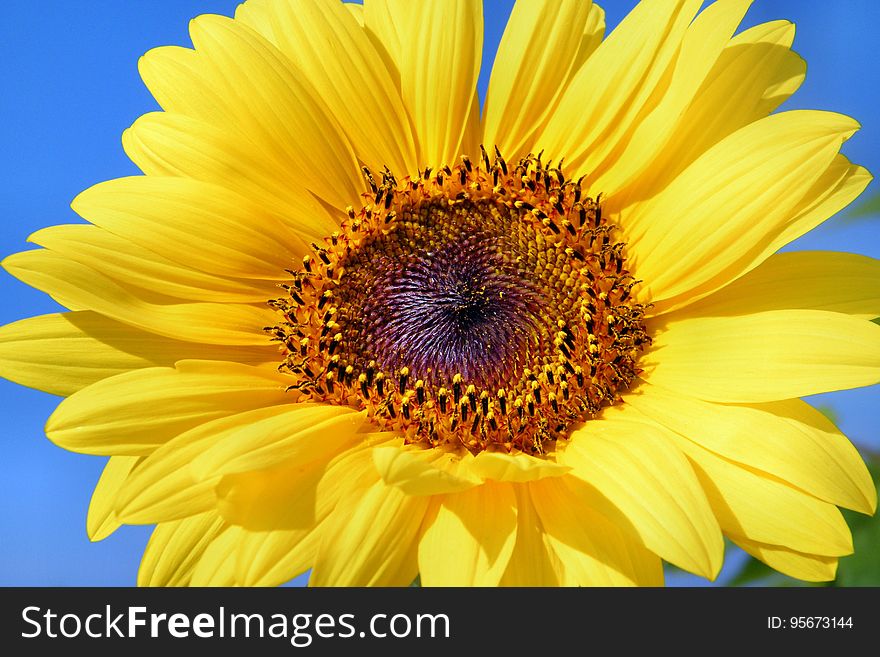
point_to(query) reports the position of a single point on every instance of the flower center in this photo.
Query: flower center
(483, 306)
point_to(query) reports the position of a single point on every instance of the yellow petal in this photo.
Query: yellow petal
(808, 567)
(167, 144)
(438, 88)
(166, 487)
(593, 550)
(594, 32)
(348, 475)
(764, 509)
(813, 280)
(329, 49)
(384, 20)
(424, 471)
(81, 288)
(357, 11)
(175, 548)
(294, 495)
(196, 224)
(301, 433)
(278, 111)
(277, 107)
(120, 415)
(738, 194)
(636, 477)
(216, 564)
(65, 352)
(838, 187)
(371, 540)
(256, 14)
(469, 537)
(132, 265)
(833, 190)
(272, 558)
(765, 356)
(534, 60)
(276, 499)
(533, 562)
(787, 439)
(615, 84)
(514, 468)
(102, 520)
(703, 43)
(754, 73)
(177, 79)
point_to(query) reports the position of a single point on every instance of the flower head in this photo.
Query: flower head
(348, 321)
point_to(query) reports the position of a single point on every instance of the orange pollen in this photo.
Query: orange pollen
(483, 306)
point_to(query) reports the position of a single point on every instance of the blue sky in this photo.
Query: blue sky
(70, 87)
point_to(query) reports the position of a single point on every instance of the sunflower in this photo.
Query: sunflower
(348, 321)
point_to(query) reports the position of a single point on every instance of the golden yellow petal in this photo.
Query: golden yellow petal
(65, 352)
(300, 433)
(615, 85)
(808, 567)
(514, 468)
(335, 55)
(703, 43)
(175, 548)
(813, 280)
(272, 466)
(594, 32)
(357, 11)
(838, 186)
(593, 550)
(761, 508)
(738, 194)
(278, 110)
(634, 475)
(439, 90)
(166, 487)
(196, 224)
(788, 439)
(419, 471)
(355, 549)
(168, 144)
(177, 79)
(765, 356)
(385, 20)
(293, 495)
(533, 562)
(534, 60)
(277, 498)
(119, 415)
(274, 557)
(469, 537)
(80, 288)
(216, 565)
(131, 265)
(256, 15)
(102, 519)
(754, 73)
(349, 474)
